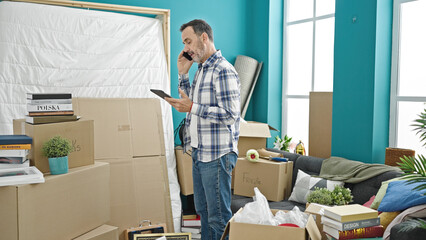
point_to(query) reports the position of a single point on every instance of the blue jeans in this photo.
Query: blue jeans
(212, 193)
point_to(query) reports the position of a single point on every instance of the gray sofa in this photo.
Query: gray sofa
(362, 191)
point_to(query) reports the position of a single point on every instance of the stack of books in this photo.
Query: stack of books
(49, 108)
(352, 221)
(14, 150)
(14, 165)
(191, 223)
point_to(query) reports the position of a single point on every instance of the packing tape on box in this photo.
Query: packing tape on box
(124, 127)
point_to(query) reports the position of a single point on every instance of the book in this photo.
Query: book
(12, 160)
(49, 107)
(15, 146)
(51, 119)
(190, 216)
(15, 139)
(195, 236)
(368, 232)
(34, 96)
(49, 101)
(193, 222)
(22, 165)
(328, 237)
(342, 226)
(32, 114)
(349, 213)
(191, 229)
(13, 153)
(14, 176)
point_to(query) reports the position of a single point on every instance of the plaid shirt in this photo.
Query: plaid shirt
(217, 108)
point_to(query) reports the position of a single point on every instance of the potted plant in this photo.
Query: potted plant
(339, 196)
(415, 169)
(56, 150)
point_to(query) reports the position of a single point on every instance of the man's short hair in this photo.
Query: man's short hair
(200, 26)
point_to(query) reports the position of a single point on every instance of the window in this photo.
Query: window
(408, 86)
(308, 60)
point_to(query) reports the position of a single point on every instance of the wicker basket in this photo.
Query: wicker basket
(393, 155)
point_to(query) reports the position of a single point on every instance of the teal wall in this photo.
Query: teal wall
(361, 79)
(240, 27)
(254, 28)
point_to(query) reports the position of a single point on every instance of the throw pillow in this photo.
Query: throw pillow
(400, 196)
(387, 217)
(368, 204)
(381, 193)
(305, 184)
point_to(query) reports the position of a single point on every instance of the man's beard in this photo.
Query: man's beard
(198, 56)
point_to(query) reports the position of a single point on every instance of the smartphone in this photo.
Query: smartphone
(187, 56)
(160, 93)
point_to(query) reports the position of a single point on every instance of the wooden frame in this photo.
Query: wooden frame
(169, 236)
(162, 14)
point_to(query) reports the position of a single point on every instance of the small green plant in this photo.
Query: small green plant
(339, 196)
(320, 196)
(282, 144)
(56, 147)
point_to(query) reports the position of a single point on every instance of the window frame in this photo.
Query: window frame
(285, 95)
(394, 97)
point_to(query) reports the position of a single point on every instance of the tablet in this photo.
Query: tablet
(160, 93)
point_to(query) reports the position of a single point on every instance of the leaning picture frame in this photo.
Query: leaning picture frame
(24, 175)
(169, 236)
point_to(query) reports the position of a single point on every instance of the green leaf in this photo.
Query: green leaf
(412, 224)
(57, 147)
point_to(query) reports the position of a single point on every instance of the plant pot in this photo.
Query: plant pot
(58, 165)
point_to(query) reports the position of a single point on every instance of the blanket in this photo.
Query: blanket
(349, 171)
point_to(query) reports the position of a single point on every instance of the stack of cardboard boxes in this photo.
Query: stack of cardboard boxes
(128, 134)
(65, 206)
(118, 175)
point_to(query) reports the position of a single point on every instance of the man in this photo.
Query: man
(212, 124)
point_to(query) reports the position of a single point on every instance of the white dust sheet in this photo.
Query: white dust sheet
(88, 53)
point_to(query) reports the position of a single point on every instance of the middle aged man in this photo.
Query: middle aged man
(212, 125)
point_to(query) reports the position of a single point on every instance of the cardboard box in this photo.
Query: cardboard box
(139, 191)
(315, 209)
(80, 133)
(184, 171)
(253, 135)
(272, 178)
(104, 232)
(320, 120)
(63, 207)
(124, 127)
(247, 231)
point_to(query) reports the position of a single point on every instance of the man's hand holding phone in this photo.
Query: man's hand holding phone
(184, 63)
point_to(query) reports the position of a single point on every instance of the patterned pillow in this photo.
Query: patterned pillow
(305, 184)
